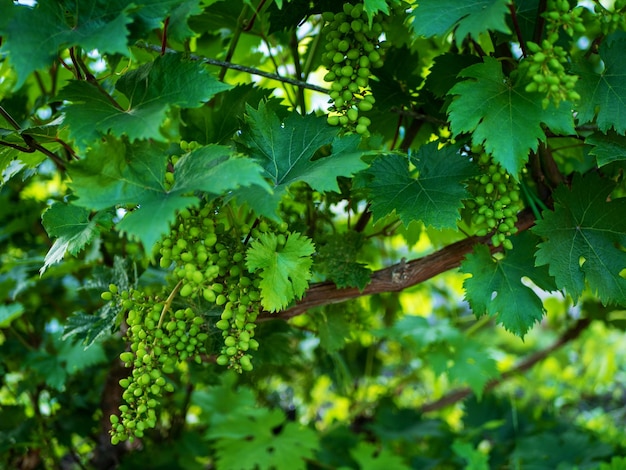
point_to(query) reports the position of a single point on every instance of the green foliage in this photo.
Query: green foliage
(602, 94)
(291, 235)
(286, 150)
(438, 18)
(430, 193)
(582, 239)
(284, 267)
(501, 116)
(150, 91)
(496, 288)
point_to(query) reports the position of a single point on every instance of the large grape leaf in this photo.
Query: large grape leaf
(607, 148)
(465, 17)
(502, 116)
(585, 237)
(286, 150)
(252, 442)
(284, 269)
(33, 35)
(151, 90)
(496, 288)
(604, 93)
(73, 227)
(120, 173)
(432, 192)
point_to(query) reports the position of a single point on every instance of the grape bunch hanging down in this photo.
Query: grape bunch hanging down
(204, 256)
(159, 339)
(208, 264)
(496, 202)
(353, 49)
(548, 63)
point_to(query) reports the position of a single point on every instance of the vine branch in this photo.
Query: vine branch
(394, 278)
(460, 394)
(241, 68)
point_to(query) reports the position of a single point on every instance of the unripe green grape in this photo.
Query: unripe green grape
(245, 363)
(365, 106)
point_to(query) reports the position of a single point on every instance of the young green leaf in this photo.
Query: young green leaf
(496, 288)
(433, 195)
(252, 442)
(502, 116)
(337, 260)
(584, 239)
(285, 270)
(73, 227)
(440, 17)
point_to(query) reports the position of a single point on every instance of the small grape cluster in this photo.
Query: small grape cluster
(611, 19)
(558, 15)
(496, 202)
(547, 64)
(159, 340)
(353, 49)
(208, 262)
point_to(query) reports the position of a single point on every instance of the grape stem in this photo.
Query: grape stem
(168, 302)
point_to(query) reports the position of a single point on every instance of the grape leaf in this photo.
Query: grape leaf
(251, 443)
(119, 173)
(151, 89)
(370, 457)
(604, 93)
(33, 36)
(337, 260)
(431, 193)
(88, 328)
(217, 124)
(74, 228)
(465, 17)
(608, 148)
(502, 115)
(286, 148)
(372, 7)
(496, 288)
(285, 270)
(585, 238)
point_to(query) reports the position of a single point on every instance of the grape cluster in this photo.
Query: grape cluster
(611, 19)
(548, 62)
(496, 202)
(353, 48)
(206, 258)
(159, 339)
(558, 15)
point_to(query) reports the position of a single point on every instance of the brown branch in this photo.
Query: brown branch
(241, 68)
(394, 278)
(460, 394)
(518, 30)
